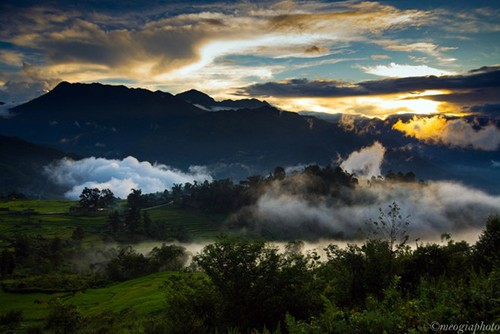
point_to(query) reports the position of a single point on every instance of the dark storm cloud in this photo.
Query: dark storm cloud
(486, 78)
(490, 109)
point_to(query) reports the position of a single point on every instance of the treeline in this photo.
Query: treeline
(226, 196)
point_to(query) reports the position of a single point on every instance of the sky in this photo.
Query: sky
(366, 58)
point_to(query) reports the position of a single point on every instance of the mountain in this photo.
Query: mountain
(194, 96)
(115, 122)
(206, 102)
(21, 166)
(96, 119)
(79, 102)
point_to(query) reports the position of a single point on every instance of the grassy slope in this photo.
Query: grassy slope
(52, 220)
(143, 295)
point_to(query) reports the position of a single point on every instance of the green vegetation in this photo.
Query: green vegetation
(143, 295)
(238, 285)
(40, 206)
(80, 271)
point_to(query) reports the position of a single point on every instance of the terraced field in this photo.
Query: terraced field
(52, 219)
(131, 299)
(140, 296)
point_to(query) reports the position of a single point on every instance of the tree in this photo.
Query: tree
(257, 284)
(133, 221)
(127, 264)
(7, 263)
(391, 226)
(106, 198)
(487, 248)
(168, 258)
(134, 199)
(114, 222)
(94, 199)
(192, 305)
(89, 198)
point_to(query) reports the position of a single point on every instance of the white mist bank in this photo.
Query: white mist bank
(120, 176)
(435, 207)
(432, 209)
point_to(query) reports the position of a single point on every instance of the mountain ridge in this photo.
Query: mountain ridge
(116, 121)
(208, 103)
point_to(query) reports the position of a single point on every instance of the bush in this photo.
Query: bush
(63, 318)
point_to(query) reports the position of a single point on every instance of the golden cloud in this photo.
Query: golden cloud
(454, 132)
(156, 48)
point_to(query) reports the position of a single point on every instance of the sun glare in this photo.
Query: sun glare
(414, 106)
(368, 106)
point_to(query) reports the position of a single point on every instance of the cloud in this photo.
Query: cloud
(402, 71)
(119, 175)
(491, 110)
(30, 84)
(4, 109)
(472, 20)
(454, 132)
(365, 162)
(380, 57)
(287, 211)
(447, 94)
(477, 79)
(12, 58)
(146, 44)
(427, 48)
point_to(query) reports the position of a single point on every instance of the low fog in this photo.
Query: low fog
(286, 210)
(433, 208)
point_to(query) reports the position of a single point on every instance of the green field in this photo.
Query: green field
(48, 219)
(131, 299)
(141, 296)
(41, 206)
(51, 219)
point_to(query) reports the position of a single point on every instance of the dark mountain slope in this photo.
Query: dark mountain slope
(21, 166)
(96, 119)
(115, 121)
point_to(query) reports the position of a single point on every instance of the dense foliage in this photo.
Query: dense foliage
(359, 289)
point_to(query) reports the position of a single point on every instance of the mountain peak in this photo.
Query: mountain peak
(206, 102)
(90, 102)
(194, 96)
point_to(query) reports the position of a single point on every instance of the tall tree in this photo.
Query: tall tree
(94, 199)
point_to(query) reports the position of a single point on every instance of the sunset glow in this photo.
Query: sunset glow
(343, 57)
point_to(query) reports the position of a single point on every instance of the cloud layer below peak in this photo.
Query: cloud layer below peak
(120, 176)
